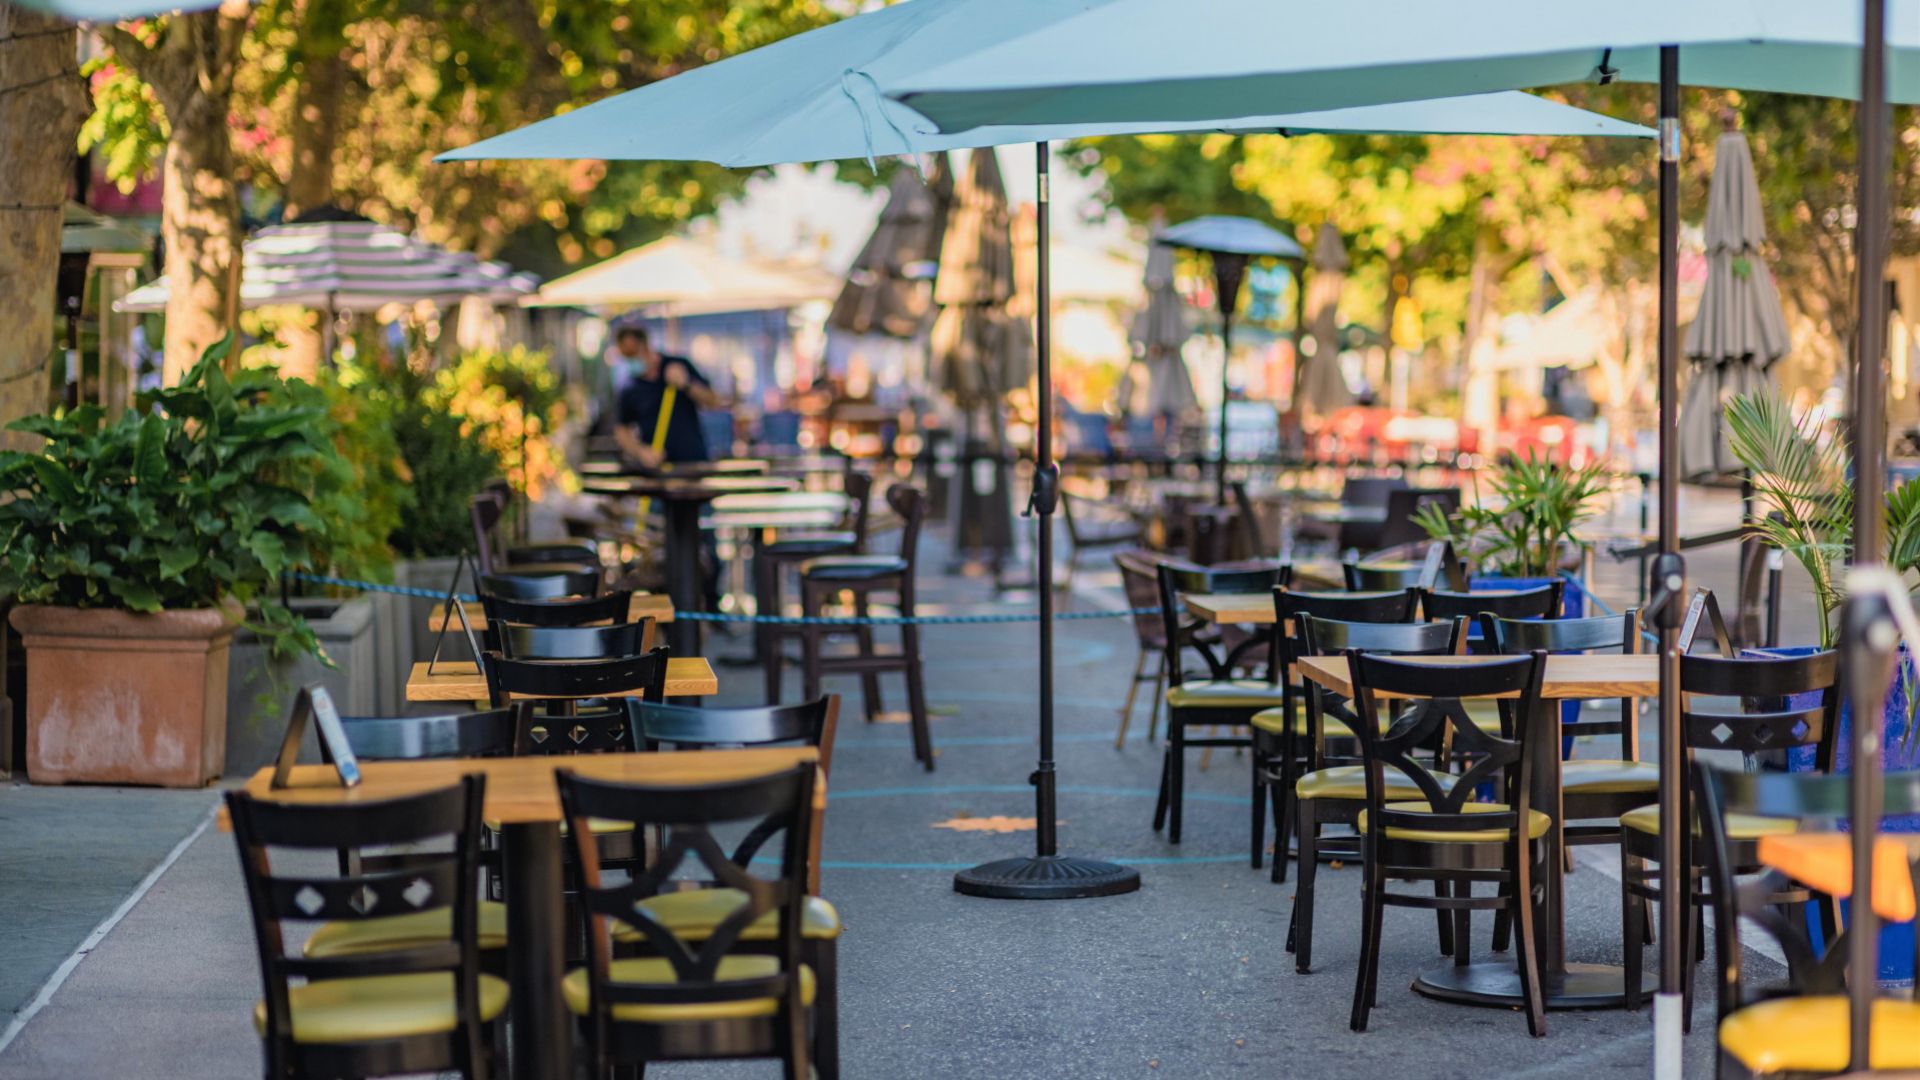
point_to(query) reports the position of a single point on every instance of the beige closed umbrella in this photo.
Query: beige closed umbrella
(981, 349)
(1157, 384)
(1739, 330)
(889, 287)
(1319, 387)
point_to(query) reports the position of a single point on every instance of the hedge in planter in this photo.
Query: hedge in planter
(163, 526)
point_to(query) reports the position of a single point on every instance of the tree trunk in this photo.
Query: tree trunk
(200, 220)
(43, 102)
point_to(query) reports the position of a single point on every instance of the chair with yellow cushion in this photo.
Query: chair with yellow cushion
(1282, 750)
(1216, 698)
(1443, 835)
(1752, 705)
(694, 913)
(1801, 1029)
(425, 1008)
(1336, 795)
(697, 988)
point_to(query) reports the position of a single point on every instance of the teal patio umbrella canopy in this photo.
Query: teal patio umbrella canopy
(1145, 60)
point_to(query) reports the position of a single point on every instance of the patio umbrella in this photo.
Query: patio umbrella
(981, 351)
(817, 97)
(1159, 332)
(1229, 244)
(889, 287)
(1739, 330)
(685, 276)
(1318, 385)
(1133, 59)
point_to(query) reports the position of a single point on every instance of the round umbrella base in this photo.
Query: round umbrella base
(1046, 877)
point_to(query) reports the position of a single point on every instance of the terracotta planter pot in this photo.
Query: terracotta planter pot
(119, 698)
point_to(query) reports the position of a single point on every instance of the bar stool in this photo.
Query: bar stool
(862, 575)
(770, 559)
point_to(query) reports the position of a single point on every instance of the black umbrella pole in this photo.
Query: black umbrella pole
(1668, 593)
(1869, 405)
(1046, 875)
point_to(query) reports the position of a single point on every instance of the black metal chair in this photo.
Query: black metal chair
(425, 1008)
(1219, 699)
(1400, 527)
(609, 642)
(694, 914)
(1324, 794)
(1540, 602)
(1278, 733)
(1393, 576)
(1762, 719)
(610, 607)
(1140, 579)
(1800, 1029)
(1442, 835)
(554, 584)
(554, 721)
(494, 733)
(484, 512)
(708, 996)
(772, 557)
(824, 578)
(1100, 532)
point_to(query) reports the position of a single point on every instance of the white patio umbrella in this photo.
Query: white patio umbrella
(1739, 330)
(678, 275)
(817, 97)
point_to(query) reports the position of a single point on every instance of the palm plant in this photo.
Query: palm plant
(1799, 474)
(1537, 504)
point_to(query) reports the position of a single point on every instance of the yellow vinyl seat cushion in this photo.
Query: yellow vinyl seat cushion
(1350, 782)
(1646, 819)
(393, 932)
(1809, 1035)
(658, 970)
(694, 914)
(1224, 694)
(1537, 824)
(376, 1007)
(1273, 721)
(596, 826)
(1610, 777)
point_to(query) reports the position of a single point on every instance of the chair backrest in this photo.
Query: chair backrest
(445, 878)
(1402, 505)
(1315, 636)
(1370, 490)
(1387, 606)
(484, 512)
(1498, 756)
(643, 676)
(544, 585)
(612, 607)
(909, 503)
(684, 727)
(858, 488)
(608, 642)
(1381, 577)
(1782, 703)
(1247, 520)
(446, 735)
(780, 804)
(1540, 602)
(1140, 577)
(1598, 634)
(1176, 582)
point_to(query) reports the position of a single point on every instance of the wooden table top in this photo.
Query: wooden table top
(460, 680)
(692, 489)
(1825, 861)
(520, 790)
(655, 606)
(782, 500)
(723, 467)
(1568, 677)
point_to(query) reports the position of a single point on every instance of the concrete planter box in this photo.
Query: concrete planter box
(119, 698)
(435, 575)
(393, 616)
(261, 689)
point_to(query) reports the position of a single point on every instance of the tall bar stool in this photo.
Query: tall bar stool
(823, 578)
(772, 558)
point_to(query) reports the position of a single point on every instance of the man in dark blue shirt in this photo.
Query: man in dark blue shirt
(640, 400)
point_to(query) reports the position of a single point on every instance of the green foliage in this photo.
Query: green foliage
(1538, 505)
(127, 123)
(378, 494)
(511, 402)
(445, 465)
(202, 494)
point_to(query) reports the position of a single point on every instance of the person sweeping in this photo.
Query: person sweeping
(659, 406)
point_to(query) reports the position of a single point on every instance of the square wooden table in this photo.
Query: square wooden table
(1497, 983)
(460, 680)
(655, 606)
(521, 795)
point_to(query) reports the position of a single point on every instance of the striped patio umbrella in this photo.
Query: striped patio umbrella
(1158, 383)
(889, 288)
(1318, 385)
(1739, 330)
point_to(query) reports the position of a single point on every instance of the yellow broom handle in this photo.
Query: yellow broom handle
(660, 422)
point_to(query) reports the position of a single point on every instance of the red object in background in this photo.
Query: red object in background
(1551, 438)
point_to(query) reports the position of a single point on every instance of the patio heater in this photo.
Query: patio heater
(1230, 243)
(1047, 874)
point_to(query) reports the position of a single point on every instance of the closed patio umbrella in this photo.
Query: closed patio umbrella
(818, 97)
(1159, 332)
(889, 288)
(981, 351)
(1318, 385)
(1739, 330)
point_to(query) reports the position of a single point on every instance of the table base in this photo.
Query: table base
(1496, 984)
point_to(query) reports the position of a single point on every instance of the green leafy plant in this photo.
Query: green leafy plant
(1525, 530)
(513, 402)
(199, 496)
(444, 465)
(379, 496)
